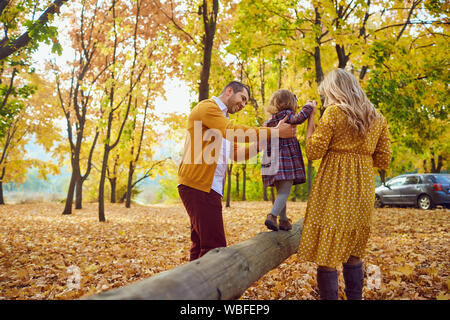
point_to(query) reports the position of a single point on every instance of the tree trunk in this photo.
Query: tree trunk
(209, 22)
(309, 177)
(107, 148)
(111, 145)
(69, 199)
(317, 57)
(129, 185)
(439, 167)
(75, 150)
(2, 200)
(113, 183)
(71, 190)
(280, 72)
(221, 274)
(294, 197)
(262, 70)
(436, 168)
(243, 180)
(101, 187)
(382, 174)
(342, 57)
(78, 193)
(363, 72)
(272, 195)
(229, 169)
(263, 82)
(318, 65)
(237, 182)
(319, 78)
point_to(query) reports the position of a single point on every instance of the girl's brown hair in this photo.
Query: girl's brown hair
(282, 99)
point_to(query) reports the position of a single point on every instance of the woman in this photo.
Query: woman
(351, 138)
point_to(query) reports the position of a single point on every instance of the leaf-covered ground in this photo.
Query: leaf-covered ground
(45, 255)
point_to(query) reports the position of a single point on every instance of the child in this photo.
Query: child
(291, 168)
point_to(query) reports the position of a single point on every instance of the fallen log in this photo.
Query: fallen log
(221, 274)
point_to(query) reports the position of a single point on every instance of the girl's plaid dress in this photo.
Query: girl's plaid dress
(291, 166)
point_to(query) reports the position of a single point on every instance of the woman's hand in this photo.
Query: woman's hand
(310, 126)
(313, 104)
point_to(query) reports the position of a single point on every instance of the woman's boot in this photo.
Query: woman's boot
(354, 280)
(328, 284)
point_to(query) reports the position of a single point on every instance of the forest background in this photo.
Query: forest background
(83, 83)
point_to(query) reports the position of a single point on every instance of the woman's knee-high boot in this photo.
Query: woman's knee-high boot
(328, 284)
(354, 280)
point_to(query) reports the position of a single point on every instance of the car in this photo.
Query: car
(424, 191)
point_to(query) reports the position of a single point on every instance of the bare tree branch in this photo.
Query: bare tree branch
(415, 4)
(175, 23)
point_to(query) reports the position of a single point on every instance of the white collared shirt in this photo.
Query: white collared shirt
(221, 169)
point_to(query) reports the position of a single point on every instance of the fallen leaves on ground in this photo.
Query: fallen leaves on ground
(47, 255)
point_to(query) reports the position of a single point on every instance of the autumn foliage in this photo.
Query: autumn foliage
(46, 255)
(96, 114)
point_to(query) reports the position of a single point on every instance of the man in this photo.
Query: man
(201, 174)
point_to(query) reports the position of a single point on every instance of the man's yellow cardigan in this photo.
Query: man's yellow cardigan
(194, 171)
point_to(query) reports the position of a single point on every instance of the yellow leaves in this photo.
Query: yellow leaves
(443, 296)
(399, 259)
(406, 259)
(45, 255)
(91, 268)
(22, 273)
(404, 270)
(433, 271)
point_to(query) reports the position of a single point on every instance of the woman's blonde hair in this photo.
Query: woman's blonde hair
(282, 99)
(341, 88)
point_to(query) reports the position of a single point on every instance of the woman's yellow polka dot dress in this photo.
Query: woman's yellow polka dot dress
(340, 205)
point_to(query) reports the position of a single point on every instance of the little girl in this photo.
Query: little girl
(291, 167)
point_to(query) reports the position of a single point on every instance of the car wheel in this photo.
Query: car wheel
(378, 203)
(424, 202)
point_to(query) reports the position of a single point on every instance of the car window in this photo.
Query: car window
(396, 182)
(412, 180)
(442, 179)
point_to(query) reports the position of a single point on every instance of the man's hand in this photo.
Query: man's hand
(286, 130)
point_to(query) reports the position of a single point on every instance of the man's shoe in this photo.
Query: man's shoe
(271, 222)
(285, 225)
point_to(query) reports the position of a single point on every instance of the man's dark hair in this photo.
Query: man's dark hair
(237, 87)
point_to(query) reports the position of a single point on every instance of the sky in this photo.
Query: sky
(177, 98)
